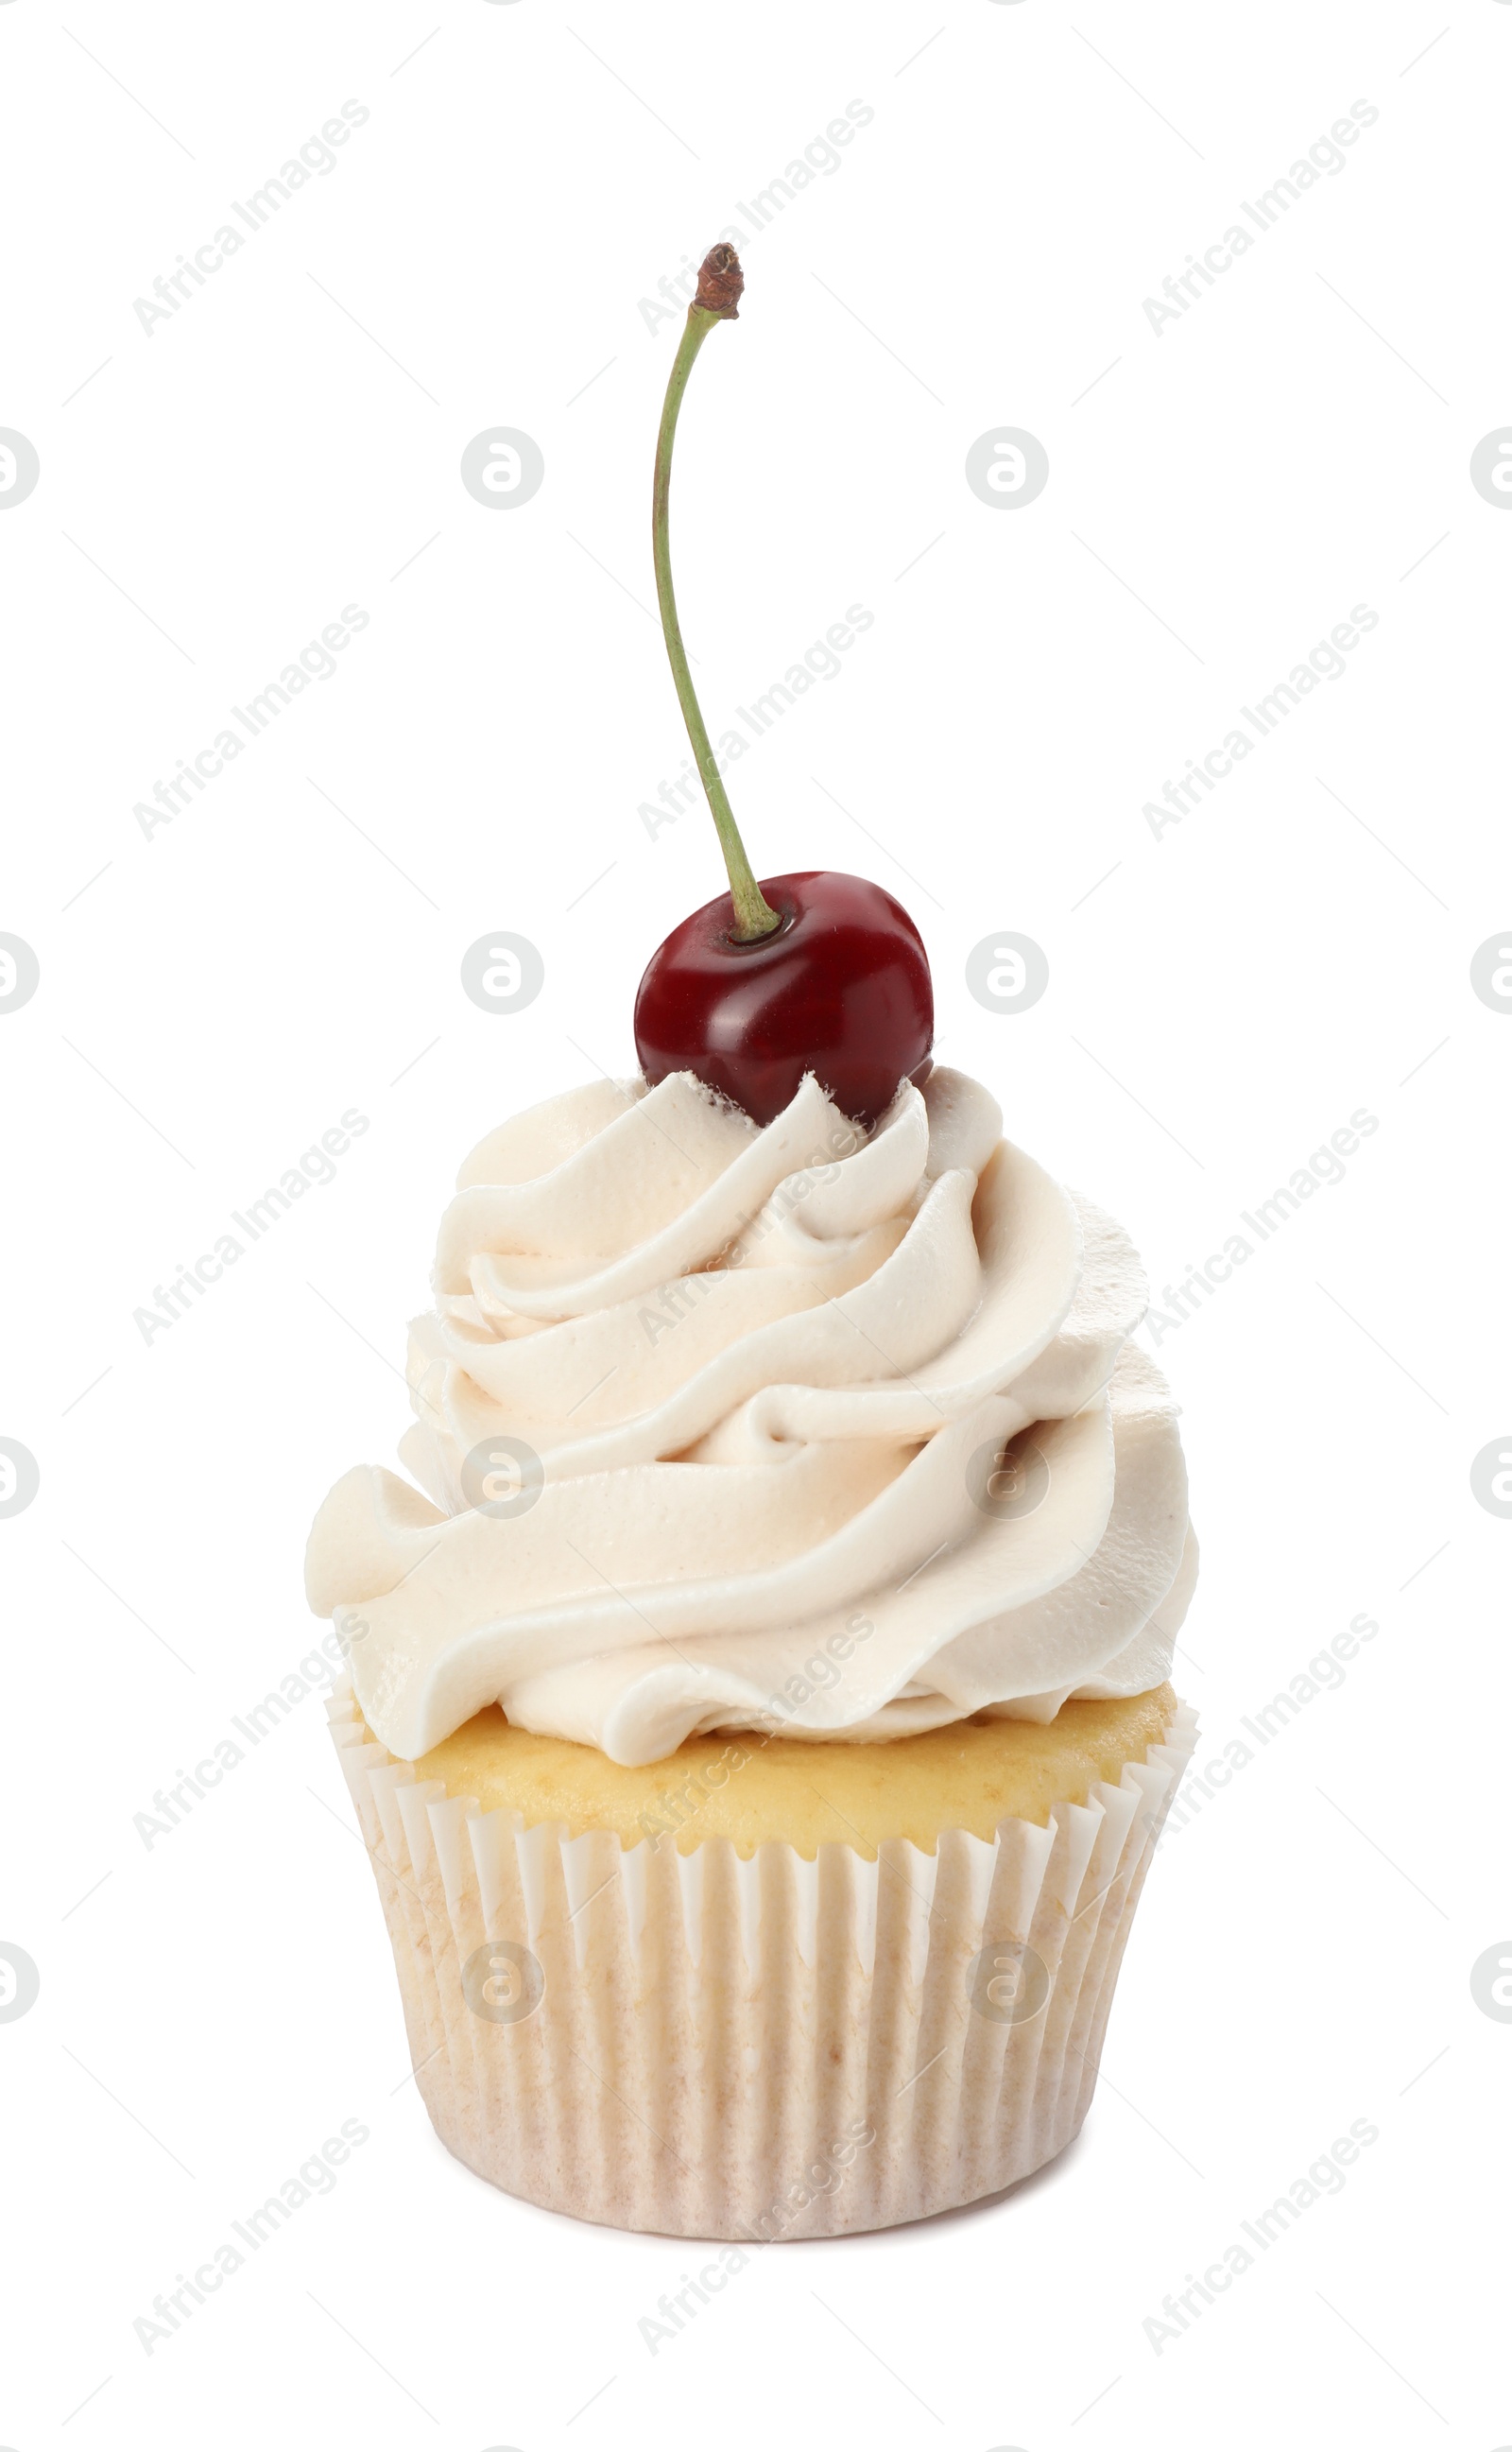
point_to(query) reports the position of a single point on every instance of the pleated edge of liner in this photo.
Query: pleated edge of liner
(1154, 1781)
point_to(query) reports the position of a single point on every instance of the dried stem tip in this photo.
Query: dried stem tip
(720, 282)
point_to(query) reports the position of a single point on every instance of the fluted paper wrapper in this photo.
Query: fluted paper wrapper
(754, 2048)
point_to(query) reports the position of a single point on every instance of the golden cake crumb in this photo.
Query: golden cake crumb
(739, 1786)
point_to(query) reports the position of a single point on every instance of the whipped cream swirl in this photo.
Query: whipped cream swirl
(799, 1427)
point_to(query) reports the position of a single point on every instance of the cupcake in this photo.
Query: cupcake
(758, 1706)
(758, 1711)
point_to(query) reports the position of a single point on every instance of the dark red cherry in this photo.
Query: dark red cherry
(841, 989)
(813, 973)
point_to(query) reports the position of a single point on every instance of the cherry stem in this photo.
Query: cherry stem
(719, 286)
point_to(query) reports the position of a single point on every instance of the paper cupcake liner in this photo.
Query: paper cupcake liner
(757, 2049)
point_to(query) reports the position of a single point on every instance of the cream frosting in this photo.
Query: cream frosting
(803, 1427)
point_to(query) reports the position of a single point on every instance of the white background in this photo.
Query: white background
(1222, 998)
